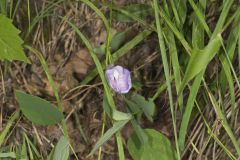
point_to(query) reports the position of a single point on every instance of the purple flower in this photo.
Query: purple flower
(118, 78)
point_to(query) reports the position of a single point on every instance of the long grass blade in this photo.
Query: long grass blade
(200, 16)
(166, 71)
(175, 62)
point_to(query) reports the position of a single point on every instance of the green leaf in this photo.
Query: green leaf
(24, 154)
(188, 110)
(137, 114)
(139, 132)
(200, 15)
(32, 150)
(230, 48)
(38, 110)
(116, 127)
(120, 116)
(3, 7)
(113, 113)
(140, 11)
(8, 155)
(119, 53)
(50, 155)
(61, 151)
(117, 40)
(158, 147)
(148, 107)
(106, 107)
(10, 123)
(200, 59)
(133, 108)
(10, 42)
(181, 7)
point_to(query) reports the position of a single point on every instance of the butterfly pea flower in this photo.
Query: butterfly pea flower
(119, 78)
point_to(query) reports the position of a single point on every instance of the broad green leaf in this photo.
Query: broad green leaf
(140, 11)
(158, 147)
(147, 106)
(116, 127)
(38, 110)
(61, 150)
(200, 59)
(10, 42)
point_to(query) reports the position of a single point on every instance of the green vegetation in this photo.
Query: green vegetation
(58, 103)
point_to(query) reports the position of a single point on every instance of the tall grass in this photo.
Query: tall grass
(199, 57)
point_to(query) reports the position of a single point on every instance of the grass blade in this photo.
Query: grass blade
(200, 16)
(8, 126)
(176, 32)
(116, 127)
(200, 59)
(188, 110)
(118, 54)
(223, 119)
(221, 20)
(166, 71)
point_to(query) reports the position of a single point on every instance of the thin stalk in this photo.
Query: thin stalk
(108, 54)
(102, 133)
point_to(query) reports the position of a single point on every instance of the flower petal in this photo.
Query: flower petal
(119, 79)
